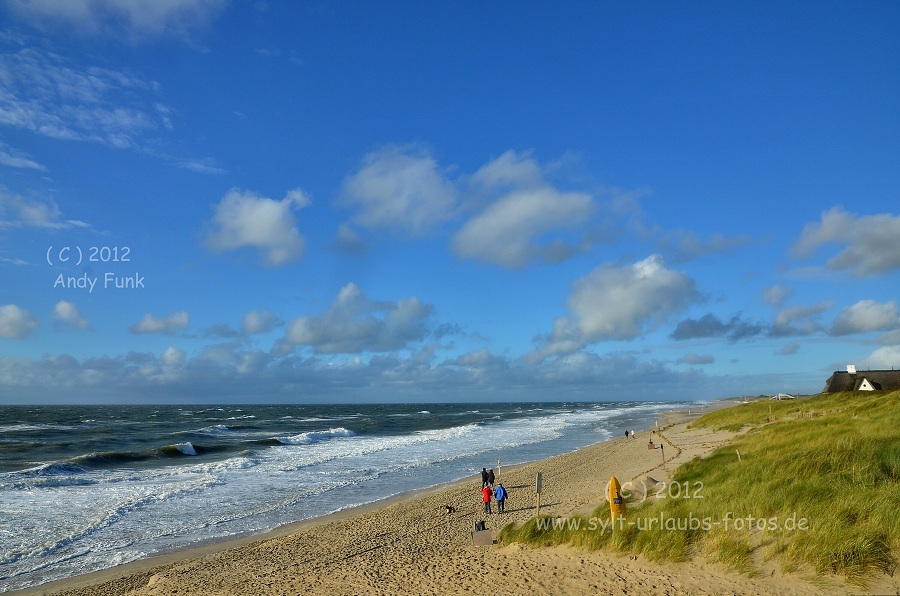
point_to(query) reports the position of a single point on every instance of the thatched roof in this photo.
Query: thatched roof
(881, 380)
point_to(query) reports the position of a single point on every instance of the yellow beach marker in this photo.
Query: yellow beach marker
(616, 502)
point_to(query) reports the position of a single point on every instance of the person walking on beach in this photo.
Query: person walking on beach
(484, 477)
(500, 494)
(486, 497)
(490, 478)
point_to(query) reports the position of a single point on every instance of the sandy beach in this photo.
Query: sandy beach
(411, 544)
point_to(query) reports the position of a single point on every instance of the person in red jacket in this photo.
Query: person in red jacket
(486, 497)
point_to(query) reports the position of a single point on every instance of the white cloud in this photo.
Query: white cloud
(68, 313)
(696, 359)
(886, 358)
(619, 303)
(257, 321)
(776, 295)
(44, 95)
(228, 373)
(355, 324)
(508, 232)
(245, 219)
(173, 356)
(15, 322)
(891, 338)
(865, 316)
(872, 242)
(399, 189)
(153, 324)
(18, 212)
(684, 245)
(348, 241)
(135, 18)
(16, 159)
(511, 170)
(201, 166)
(789, 349)
(799, 320)
(511, 230)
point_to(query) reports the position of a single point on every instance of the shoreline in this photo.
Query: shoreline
(135, 572)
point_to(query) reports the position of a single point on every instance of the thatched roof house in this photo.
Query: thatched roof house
(864, 380)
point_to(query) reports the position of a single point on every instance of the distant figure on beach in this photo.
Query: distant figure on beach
(484, 477)
(627, 433)
(632, 434)
(500, 494)
(486, 497)
(490, 478)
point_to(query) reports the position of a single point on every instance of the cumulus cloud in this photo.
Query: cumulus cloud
(510, 170)
(231, 373)
(245, 219)
(871, 243)
(17, 211)
(400, 189)
(512, 229)
(619, 303)
(119, 17)
(891, 338)
(348, 241)
(153, 324)
(683, 245)
(886, 358)
(15, 322)
(507, 232)
(709, 325)
(257, 321)
(173, 356)
(481, 360)
(799, 320)
(789, 349)
(777, 295)
(696, 359)
(865, 316)
(355, 324)
(68, 313)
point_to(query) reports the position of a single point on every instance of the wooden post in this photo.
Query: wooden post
(663, 449)
(498, 470)
(538, 482)
(739, 454)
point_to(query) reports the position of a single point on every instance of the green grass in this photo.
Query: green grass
(817, 487)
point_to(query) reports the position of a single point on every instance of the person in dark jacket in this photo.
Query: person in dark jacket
(490, 478)
(484, 477)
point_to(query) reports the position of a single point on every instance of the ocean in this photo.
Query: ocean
(84, 488)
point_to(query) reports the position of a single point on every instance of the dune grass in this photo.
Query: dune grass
(817, 486)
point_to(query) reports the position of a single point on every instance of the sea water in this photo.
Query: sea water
(83, 488)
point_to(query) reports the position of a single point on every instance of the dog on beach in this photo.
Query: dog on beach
(448, 509)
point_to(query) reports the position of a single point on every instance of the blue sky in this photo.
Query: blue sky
(421, 201)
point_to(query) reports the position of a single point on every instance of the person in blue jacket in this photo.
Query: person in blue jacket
(500, 494)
